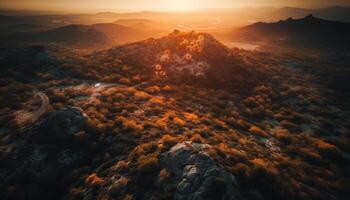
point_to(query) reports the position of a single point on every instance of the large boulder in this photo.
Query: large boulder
(62, 124)
(198, 175)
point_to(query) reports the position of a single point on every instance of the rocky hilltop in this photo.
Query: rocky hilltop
(187, 57)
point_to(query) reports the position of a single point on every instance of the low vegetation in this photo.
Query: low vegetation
(281, 137)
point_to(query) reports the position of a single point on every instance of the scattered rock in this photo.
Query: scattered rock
(198, 175)
(63, 123)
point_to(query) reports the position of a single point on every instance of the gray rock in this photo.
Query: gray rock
(47, 155)
(63, 123)
(199, 177)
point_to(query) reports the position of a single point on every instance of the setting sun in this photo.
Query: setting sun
(156, 5)
(179, 5)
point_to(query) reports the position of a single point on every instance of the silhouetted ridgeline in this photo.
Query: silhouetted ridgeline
(305, 32)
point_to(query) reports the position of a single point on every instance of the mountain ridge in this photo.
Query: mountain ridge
(308, 32)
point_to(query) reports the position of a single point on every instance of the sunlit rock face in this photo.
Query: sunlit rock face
(199, 176)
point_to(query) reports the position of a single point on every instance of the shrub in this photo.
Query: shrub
(128, 197)
(225, 151)
(282, 135)
(328, 150)
(139, 95)
(130, 91)
(129, 124)
(250, 102)
(147, 170)
(121, 166)
(143, 149)
(310, 156)
(290, 126)
(242, 124)
(218, 124)
(125, 68)
(179, 121)
(118, 96)
(258, 131)
(192, 117)
(58, 96)
(243, 173)
(169, 141)
(124, 81)
(136, 78)
(156, 101)
(197, 138)
(163, 175)
(94, 180)
(153, 89)
(167, 88)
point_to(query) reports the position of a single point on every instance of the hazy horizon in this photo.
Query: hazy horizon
(156, 5)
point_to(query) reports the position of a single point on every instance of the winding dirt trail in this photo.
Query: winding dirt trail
(24, 116)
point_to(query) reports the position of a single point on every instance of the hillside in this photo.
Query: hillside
(75, 35)
(189, 57)
(309, 32)
(152, 27)
(120, 34)
(177, 117)
(78, 35)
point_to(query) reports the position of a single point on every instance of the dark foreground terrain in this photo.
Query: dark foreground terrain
(179, 117)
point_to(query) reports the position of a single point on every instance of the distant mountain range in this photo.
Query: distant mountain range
(336, 13)
(144, 25)
(118, 28)
(219, 18)
(78, 35)
(305, 32)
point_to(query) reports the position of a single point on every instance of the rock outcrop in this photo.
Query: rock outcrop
(199, 176)
(63, 123)
(39, 164)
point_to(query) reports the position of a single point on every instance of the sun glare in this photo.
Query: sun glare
(179, 5)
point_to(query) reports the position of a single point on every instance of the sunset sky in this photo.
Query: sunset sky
(159, 5)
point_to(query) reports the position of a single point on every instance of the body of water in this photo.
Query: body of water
(240, 45)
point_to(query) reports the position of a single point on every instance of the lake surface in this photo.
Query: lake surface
(240, 45)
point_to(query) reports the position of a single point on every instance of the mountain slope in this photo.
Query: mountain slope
(119, 33)
(307, 32)
(71, 35)
(78, 35)
(337, 13)
(186, 57)
(139, 122)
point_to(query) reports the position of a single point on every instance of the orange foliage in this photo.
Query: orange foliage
(192, 117)
(258, 131)
(179, 121)
(156, 100)
(94, 180)
(142, 95)
(153, 89)
(169, 141)
(197, 138)
(129, 124)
